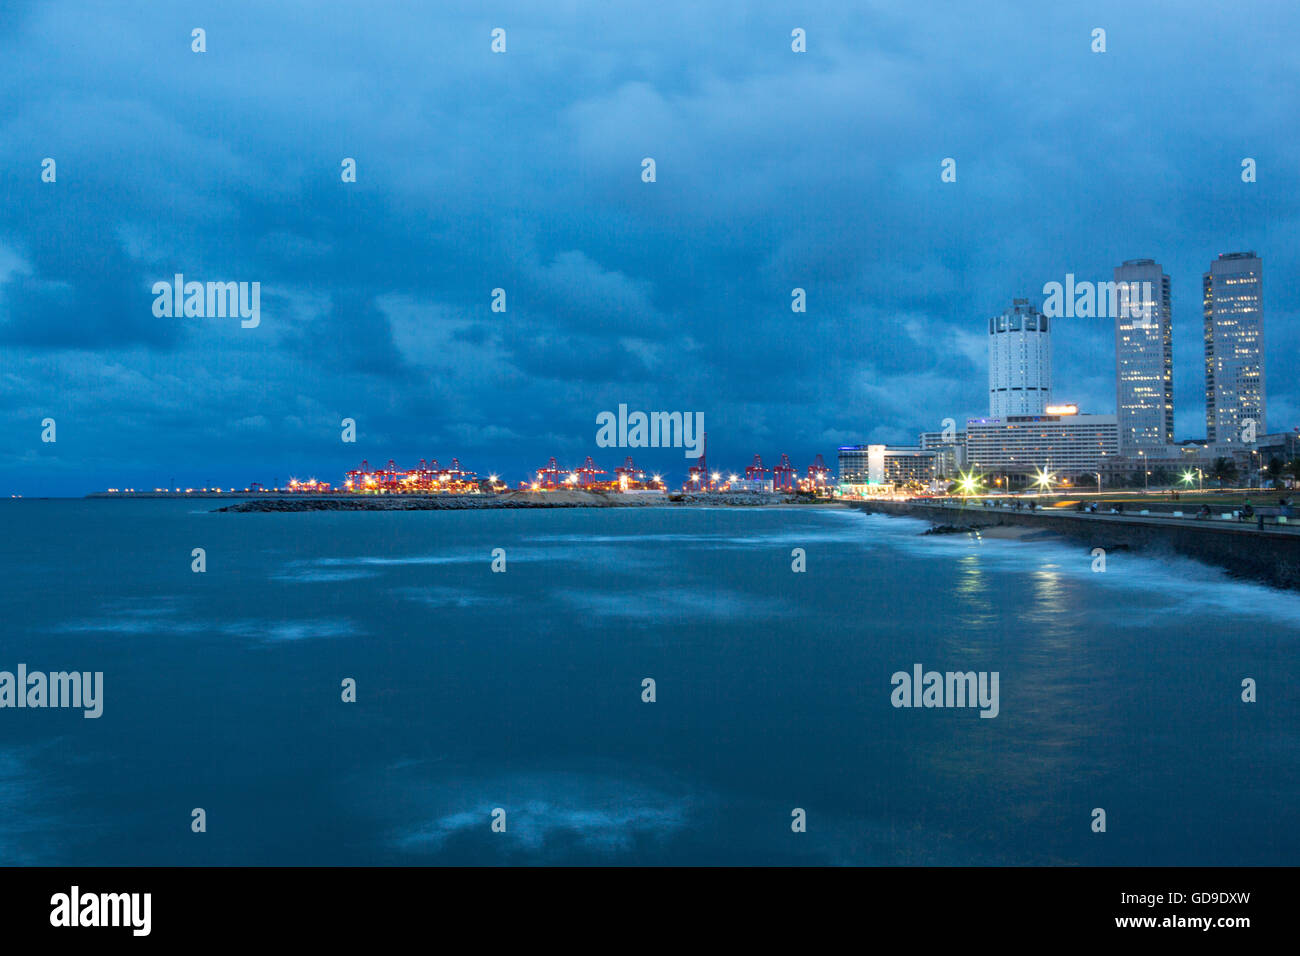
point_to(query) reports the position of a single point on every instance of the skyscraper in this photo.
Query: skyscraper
(1234, 347)
(1144, 358)
(1020, 361)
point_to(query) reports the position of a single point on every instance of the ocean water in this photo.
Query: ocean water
(522, 690)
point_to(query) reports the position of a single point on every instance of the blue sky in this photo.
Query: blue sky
(477, 170)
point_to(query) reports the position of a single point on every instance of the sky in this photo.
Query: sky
(522, 170)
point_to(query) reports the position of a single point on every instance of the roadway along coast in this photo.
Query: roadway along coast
(1270, 555)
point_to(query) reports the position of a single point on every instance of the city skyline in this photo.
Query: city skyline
(377, 296)
(1028, 431)
(1019, 352)
(1142, 423)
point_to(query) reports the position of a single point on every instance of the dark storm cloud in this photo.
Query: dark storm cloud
(522, 172)
(80, 294)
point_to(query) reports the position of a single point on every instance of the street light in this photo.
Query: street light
(969, 483)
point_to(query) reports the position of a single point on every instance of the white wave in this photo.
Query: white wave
(311, 575)
(444, 597)
(1169, 586)
(601, 813)
(659, 603)
(274, 632)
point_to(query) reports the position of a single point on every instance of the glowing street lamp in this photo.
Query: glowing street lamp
(968, 483)
(1043, 479)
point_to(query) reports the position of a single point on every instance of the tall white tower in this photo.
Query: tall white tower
(1020, 361)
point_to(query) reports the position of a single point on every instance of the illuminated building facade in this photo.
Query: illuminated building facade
(949, 450)
(883, 465)
(1144, 358)
(1022, 444)
(1234, 348)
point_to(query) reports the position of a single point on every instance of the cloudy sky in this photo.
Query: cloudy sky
(522, 171)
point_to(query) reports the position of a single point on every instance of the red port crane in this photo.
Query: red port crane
(551, 476)
(697, 478)
(783, 475)
(588, 472)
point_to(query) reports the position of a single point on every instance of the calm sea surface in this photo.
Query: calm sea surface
(522, 690)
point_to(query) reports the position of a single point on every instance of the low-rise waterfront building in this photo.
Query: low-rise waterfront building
(949, 449)
(1023, 444)
(881, 465)
(750, 484)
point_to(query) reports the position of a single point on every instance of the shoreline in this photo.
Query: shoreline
(1269, 556)
(1003, 532)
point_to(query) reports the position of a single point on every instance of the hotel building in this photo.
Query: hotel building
(1066, 443)
(1020, 361)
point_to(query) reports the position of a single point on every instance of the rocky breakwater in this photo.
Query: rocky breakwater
(511, 499)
